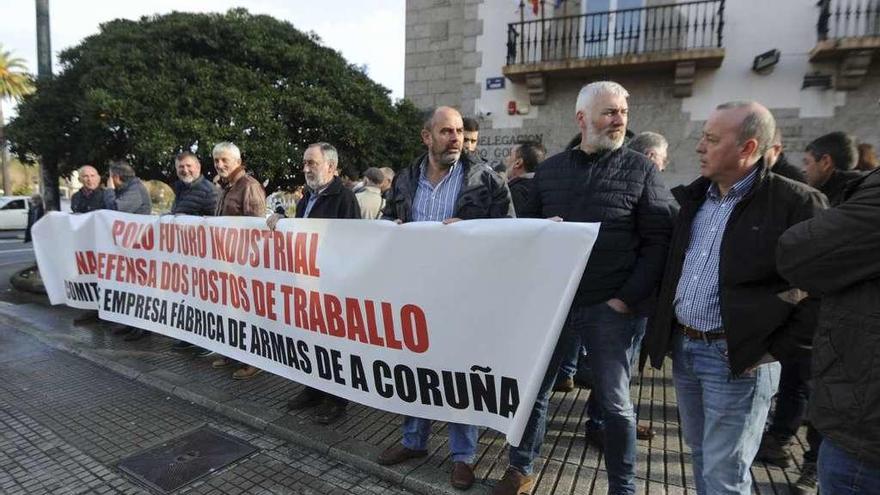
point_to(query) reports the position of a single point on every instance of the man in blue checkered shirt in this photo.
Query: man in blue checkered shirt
(724, 311)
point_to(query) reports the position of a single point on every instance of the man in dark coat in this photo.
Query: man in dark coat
(829, 163)
(724, 310)
(325, 197)
(91, 195)
(193, 195)
(835, 256)
(521, 164)
(445, 185)
(778, 163)
(601, 181)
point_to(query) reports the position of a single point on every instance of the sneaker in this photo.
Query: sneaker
(513, 483)
(201, 352)
(181, 345)
(564, 385)
(246, 373)
(808, 481)
(774, 451)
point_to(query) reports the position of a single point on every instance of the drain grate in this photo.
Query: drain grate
(179, 462)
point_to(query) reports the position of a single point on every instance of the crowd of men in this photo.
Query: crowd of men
(755, 277)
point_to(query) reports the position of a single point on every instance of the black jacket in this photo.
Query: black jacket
(835, 186)
(81, 202)
(198, 198)
(755, 318)
(836, 255)
(623, 190)
(483, 193)
(784, 168)
(335, 201)
(520, 192)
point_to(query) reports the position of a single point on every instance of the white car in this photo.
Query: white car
(14, 212)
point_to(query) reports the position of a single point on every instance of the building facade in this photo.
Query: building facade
(517, 66)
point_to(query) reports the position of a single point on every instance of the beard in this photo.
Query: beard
(189, 179)
(601, 141)
(316, 184)
(446, 157)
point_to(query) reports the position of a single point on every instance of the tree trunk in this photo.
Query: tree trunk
(4, 155)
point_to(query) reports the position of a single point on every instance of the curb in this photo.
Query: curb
(302, 433)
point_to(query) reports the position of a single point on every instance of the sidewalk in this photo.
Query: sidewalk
(569, 465)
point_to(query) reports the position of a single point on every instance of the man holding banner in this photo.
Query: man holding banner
(444, 185)
(240, 196)
(325, 197)
(601, 181)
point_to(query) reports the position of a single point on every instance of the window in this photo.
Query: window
(15, 204)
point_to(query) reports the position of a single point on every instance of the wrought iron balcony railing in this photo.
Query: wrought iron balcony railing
(663, 28)
(848, 19)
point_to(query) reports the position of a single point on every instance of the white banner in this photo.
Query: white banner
(448, 322)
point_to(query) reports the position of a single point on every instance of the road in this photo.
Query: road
(15, 255)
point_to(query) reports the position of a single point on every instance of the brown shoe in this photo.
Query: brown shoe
(221, 362)
(398, 453)
(565, 385)
(644, 432)
(246, 373)
(462, 475)
(513, 483)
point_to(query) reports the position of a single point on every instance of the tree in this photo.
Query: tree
(14, 84)
(146, 90)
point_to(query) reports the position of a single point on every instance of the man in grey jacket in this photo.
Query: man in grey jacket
(125, 192)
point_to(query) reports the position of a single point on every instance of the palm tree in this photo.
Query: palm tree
(14, 83)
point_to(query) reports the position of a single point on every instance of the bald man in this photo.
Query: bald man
(724, 311)
(444, 185)
(91, 196)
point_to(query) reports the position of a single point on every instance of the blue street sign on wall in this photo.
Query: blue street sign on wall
(494, 83)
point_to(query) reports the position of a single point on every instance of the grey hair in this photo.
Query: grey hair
(328, 151)
(758, 124)
(389, 172)
(590, 91)
(227, 147)
(80, 170)
(647, 141)
(374, 176)
(122, 169)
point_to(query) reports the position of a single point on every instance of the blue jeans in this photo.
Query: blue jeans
(594, 412)
(462, 438)
(842, 474)
(569, 365)
(609, 337)
(722, 416)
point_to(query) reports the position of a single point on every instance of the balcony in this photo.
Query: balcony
(682, 36)
(849, 34)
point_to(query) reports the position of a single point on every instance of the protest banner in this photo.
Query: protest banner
(448, 322)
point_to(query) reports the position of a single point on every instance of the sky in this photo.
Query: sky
(372, 36)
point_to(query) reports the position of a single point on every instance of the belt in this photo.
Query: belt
(694, 334)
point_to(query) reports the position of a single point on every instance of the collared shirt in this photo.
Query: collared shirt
(437, 203)
(697, 304)
(313, 198)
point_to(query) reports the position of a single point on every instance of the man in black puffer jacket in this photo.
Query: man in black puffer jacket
(193, 193)
(601, 181)
(834, 256)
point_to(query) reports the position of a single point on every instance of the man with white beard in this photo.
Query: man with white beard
(325, 196)
(601, 181)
